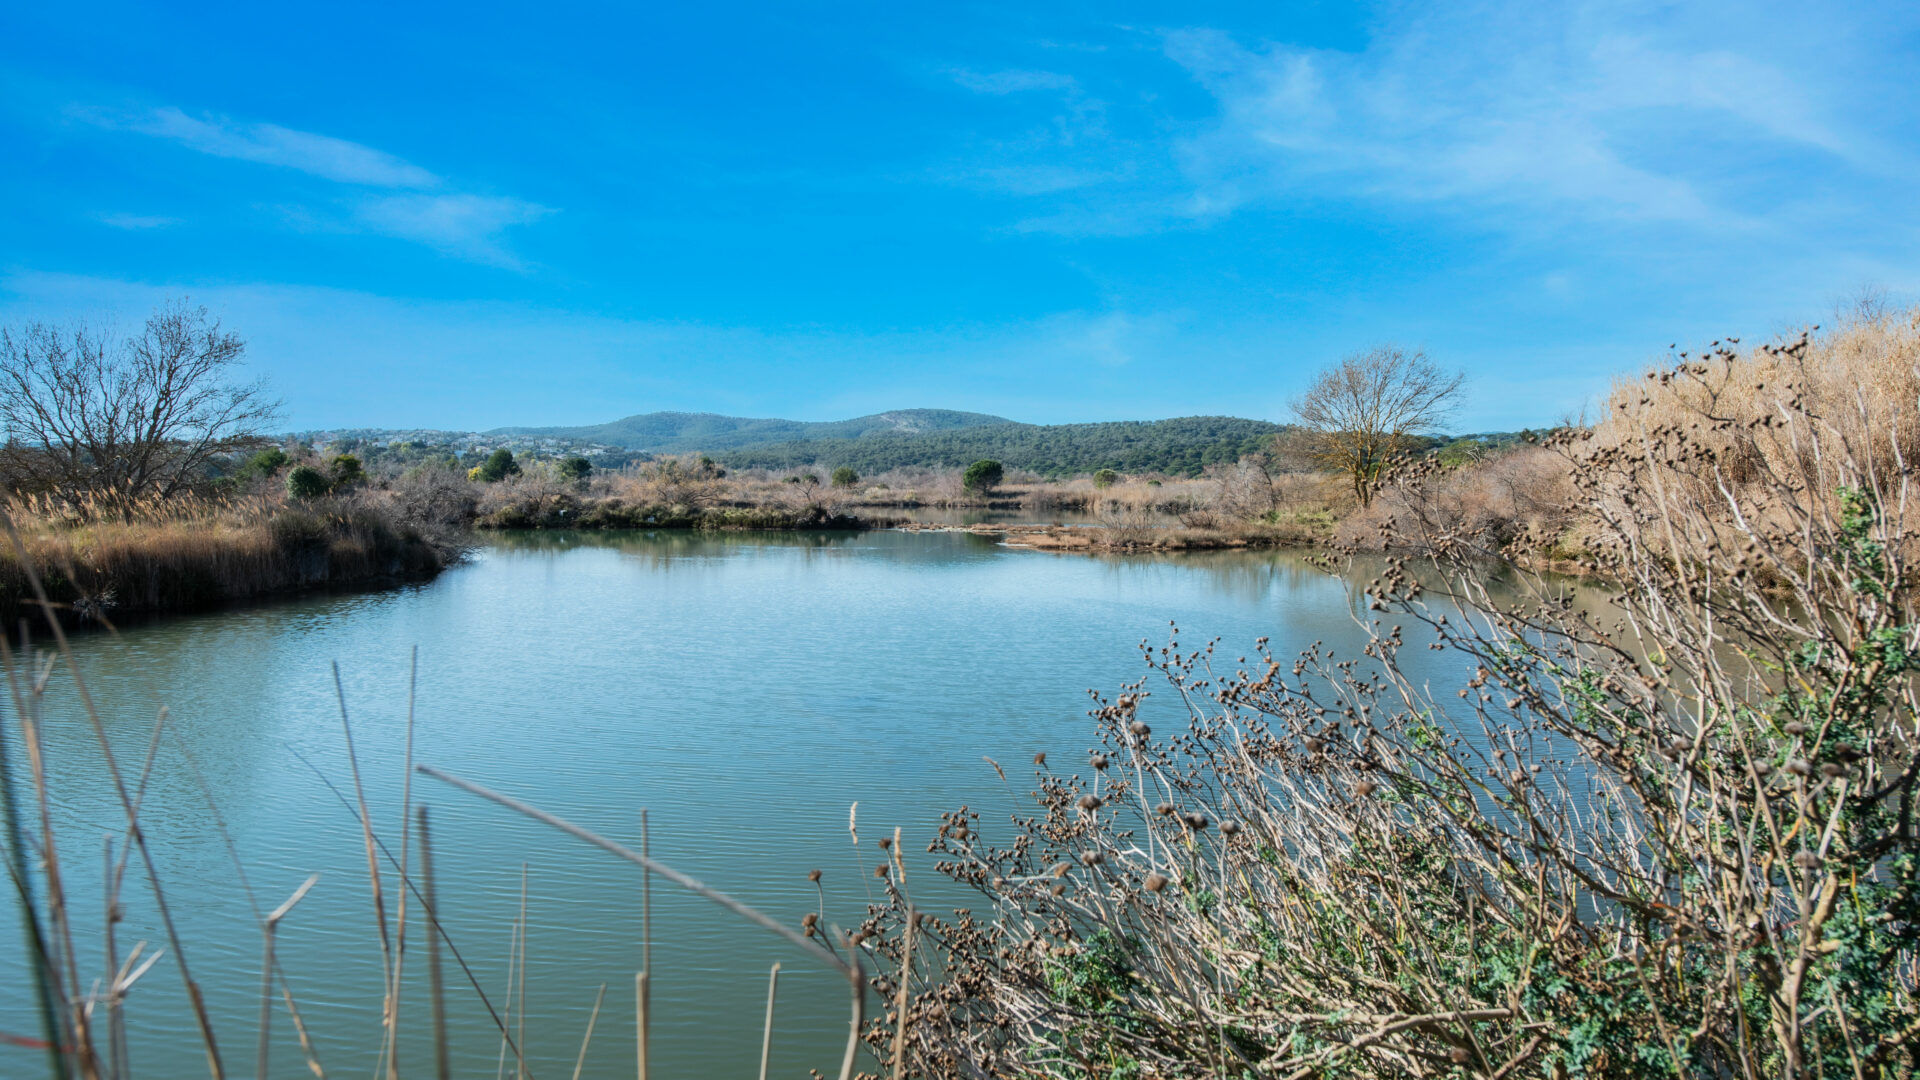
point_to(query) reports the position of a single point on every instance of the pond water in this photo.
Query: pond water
(744, 689)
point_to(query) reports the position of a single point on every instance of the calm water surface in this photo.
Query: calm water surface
(746, 690)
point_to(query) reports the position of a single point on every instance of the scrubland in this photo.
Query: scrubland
(1660, 825)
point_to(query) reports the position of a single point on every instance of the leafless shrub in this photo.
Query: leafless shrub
(1525, 495)
(692, 482)
(1663, 829)
(439, 502)
(1129, 520)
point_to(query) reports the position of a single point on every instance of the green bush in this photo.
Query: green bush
(573, 468)
(347, 471)
(307, 482)
(267, 462)
(983, 476)
(498, 466)
(845, 477)
(1105, 478)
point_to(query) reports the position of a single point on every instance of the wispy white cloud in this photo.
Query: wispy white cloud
(270, 144)
(383, 193)
(1072, 123)
(466, 226)
(1584, 109)
(137, 221)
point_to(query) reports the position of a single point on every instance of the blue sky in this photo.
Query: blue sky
(465, 217)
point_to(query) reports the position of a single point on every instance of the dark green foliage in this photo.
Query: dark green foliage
(1467, 449)
(1105, 478)
(266, 463)
(983, 476)
(845, 477)
(573, 468)
(307, 482)
(347, 471)
(498, 466)
(1178, 447)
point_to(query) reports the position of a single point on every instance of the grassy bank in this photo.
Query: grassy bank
(191, 554)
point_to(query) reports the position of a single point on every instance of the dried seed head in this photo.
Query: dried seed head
(858, 938)
(1140, 729)
(1059, 888)
(880, 871)
(1800, 767)
(1092, 858)
(1831, 769)
(1228, 828)
(1089, 802)
(960, 830)
(1763, 768)
(1196, 821)
(1806, 860)
(1060, 868)
(1458, 1055)
(1795, 727)
(813, 875)
(886, 843)
(1314, 746)
(1040, 758)
(1100, 762)
(1155, 882)
(1164, 809)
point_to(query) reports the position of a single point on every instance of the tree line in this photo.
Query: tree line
(1183, 447)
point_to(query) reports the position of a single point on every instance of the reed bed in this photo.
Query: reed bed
(108, 559)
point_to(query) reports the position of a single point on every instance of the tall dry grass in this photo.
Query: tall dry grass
(189, 552)
(1718, 423)
(1663, 831)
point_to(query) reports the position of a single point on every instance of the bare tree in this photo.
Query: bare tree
(132, 418)
(1361, 411)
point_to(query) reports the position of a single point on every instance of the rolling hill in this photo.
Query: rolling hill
(679, 432)
(1180, 446)
(933, 438)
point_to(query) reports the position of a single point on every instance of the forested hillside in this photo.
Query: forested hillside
(678, 432)
(1181, 447)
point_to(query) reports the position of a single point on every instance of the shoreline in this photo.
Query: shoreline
(1124, 539)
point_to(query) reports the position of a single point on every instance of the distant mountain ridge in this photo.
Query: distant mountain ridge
(679, 432)
(1184, 445)
(901, 438)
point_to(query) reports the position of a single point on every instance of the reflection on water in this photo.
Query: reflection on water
(745, 688)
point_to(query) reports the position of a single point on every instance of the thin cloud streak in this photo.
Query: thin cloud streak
(466, 226)
(270, 144)
(418, 206)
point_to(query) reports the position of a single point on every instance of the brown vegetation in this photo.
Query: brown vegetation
(189, 553)
(1726, 408)
(1664, 831)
